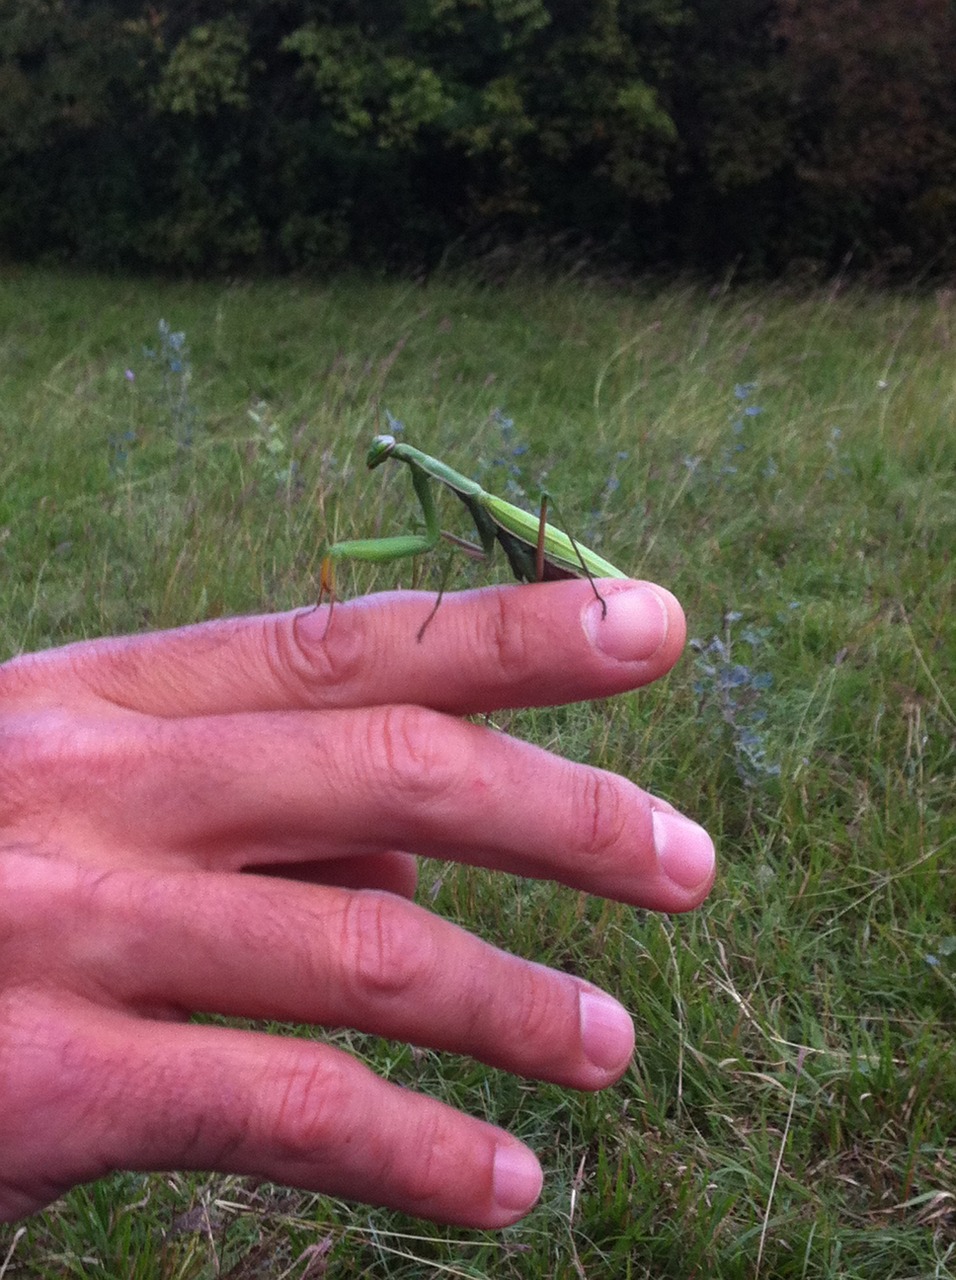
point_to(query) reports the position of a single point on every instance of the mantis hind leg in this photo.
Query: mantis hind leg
(539, 556)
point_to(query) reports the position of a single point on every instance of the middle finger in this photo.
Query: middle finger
(316, 785)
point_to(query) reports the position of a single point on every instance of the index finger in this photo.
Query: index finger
(538, 645)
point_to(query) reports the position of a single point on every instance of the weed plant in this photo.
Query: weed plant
(785, 462)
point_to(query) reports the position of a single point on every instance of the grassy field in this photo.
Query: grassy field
(786, 463)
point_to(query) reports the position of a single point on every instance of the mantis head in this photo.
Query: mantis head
(379, 450)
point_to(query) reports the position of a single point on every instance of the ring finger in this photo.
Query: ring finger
(255, 947)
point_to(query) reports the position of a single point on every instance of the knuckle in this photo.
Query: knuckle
(25, 743)
(48, 1060)
(49, 757)
(426, 1177)
(309, 1098)
(538, 1011)
(327, 671)
(419, 754)
(534, 1018)
(321, 1116)
(69, 913)
(39, 753)
(508, 638)
(35, 900)
(604, 819)
(307, 668)
(387, 960)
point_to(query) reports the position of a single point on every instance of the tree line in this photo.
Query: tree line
(307, 134)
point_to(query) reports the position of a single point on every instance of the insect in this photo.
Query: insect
(536, 550)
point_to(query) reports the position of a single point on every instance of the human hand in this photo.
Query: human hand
(142, 779)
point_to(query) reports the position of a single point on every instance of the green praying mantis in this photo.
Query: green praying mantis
(536, 550)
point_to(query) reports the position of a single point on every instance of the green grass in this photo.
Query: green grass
(790, 1110)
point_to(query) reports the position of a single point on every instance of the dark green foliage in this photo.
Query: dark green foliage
(309, 134)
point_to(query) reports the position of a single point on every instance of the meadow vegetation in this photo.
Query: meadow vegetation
(785, 462)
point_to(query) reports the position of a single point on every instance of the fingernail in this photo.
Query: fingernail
(517, 1177)
(607, 1032)
(685, 852)
(634, 627)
